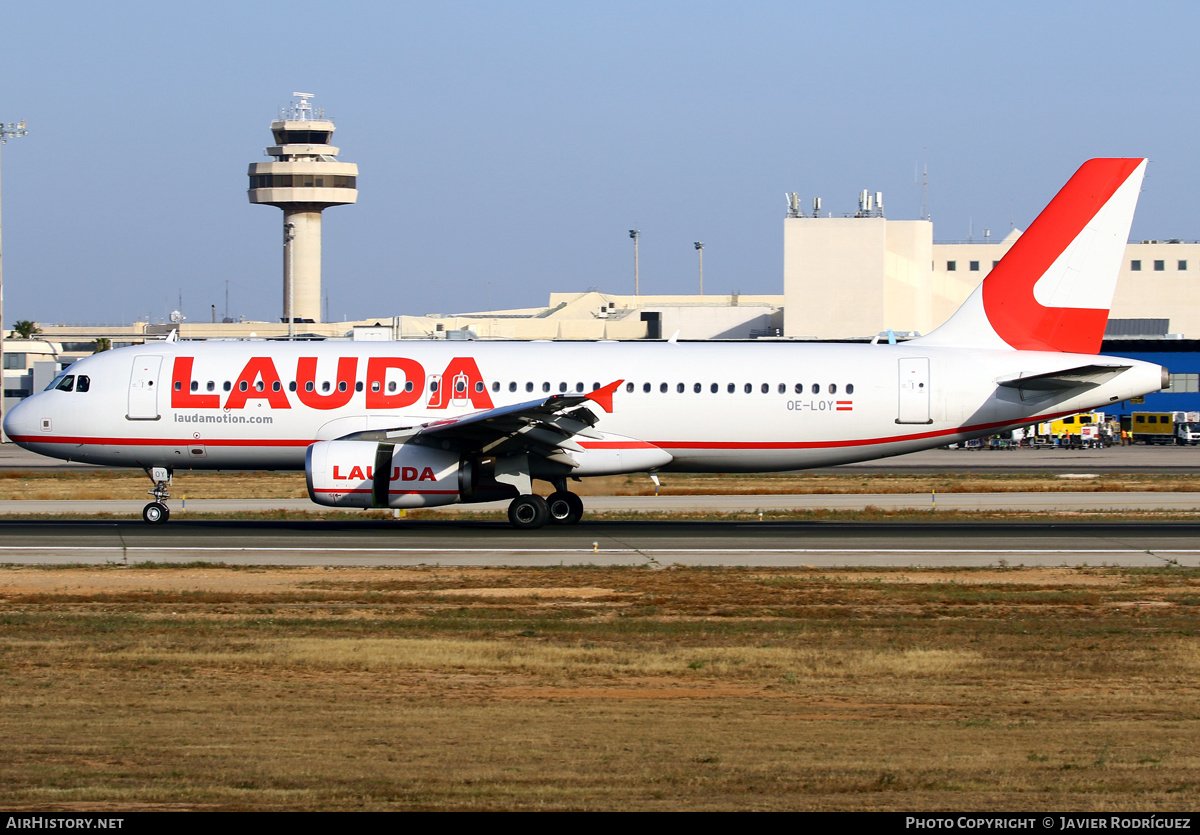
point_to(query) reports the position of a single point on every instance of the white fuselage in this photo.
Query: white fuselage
(716, 407)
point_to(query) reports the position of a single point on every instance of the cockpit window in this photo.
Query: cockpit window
(53, 384)
(67, 383)
(83, 383)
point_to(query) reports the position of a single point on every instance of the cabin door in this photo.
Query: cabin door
(143, 388)
(914, 391)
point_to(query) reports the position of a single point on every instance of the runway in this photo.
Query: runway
(647, 544)
(1033, 502)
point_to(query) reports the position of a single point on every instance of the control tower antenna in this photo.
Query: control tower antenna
(304, 179)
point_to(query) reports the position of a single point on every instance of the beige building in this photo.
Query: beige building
(861, 276)
(582, 316)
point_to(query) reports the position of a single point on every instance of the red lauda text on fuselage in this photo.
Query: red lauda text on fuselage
(398, 474)
(460, 384)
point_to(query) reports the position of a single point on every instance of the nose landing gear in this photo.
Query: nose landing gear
(157, 512)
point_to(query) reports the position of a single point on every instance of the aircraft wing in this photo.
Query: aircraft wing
(542, 427)
(1083, 376)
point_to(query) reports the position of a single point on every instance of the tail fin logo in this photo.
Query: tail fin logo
(1053, 289)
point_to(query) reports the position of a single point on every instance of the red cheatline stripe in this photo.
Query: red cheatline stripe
(390, 492)
(853, 442)
(235, 442)
(916, 436)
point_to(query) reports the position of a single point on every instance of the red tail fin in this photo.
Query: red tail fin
(1053, 289)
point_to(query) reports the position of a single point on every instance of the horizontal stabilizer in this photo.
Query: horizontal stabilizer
(1083, 376)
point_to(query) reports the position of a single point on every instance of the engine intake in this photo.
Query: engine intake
(369, 474)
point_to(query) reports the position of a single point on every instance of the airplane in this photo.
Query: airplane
(420, 424)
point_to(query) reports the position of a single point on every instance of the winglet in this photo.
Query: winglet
(603, 396)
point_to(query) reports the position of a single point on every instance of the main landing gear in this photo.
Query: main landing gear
(531, 511)
(157, 511)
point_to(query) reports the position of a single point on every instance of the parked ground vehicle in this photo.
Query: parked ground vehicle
(1165, 427)
(1187, 433)
(1084, 430)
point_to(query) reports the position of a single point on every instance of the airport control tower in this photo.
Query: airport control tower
(304, 180)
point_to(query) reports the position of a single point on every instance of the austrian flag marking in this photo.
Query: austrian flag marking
(845, 405)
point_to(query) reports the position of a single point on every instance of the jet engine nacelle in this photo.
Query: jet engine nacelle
(370, 474)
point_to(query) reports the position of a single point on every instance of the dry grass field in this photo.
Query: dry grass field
(130, 484)
(207, 687)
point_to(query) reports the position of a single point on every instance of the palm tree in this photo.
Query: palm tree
(25, 329)
(101, 344)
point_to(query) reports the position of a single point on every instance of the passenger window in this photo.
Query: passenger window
(579, 387)
(408, 385)
(227, 385)
(731, 388)
(545, 387)
(646, 388)
(243, 386)
(341, 385)
(495, 386)
(697, 388)
(766, 387)
(259, 385)
(529, 387)
(714, 388)
(595, 387)
(195, 386)
(308, 385)
(83, 383)
(663, 388)
(629, 388)
(833, 388)
(512, 386)
(849, 388)
(358, 386)
(562, 387)
(210, 386)
(460, 386)
(799, 388)
(749, 388)
(275, 386)
(375, 385)
(783, 388)
(816, 388)
(392, 387)
(178, 386)
(291, 385)
(325, 386)
(679, 388)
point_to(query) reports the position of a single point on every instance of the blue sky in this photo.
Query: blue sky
(505, 149)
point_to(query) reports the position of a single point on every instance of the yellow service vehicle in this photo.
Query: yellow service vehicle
(1153, 427)
(1086, 429)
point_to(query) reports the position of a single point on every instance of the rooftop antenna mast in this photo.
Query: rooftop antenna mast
(925, 193)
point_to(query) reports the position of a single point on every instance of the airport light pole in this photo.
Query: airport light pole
(9, 131)
(700, 252)
(635, 234)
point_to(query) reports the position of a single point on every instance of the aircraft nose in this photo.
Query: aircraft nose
(21, 421)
